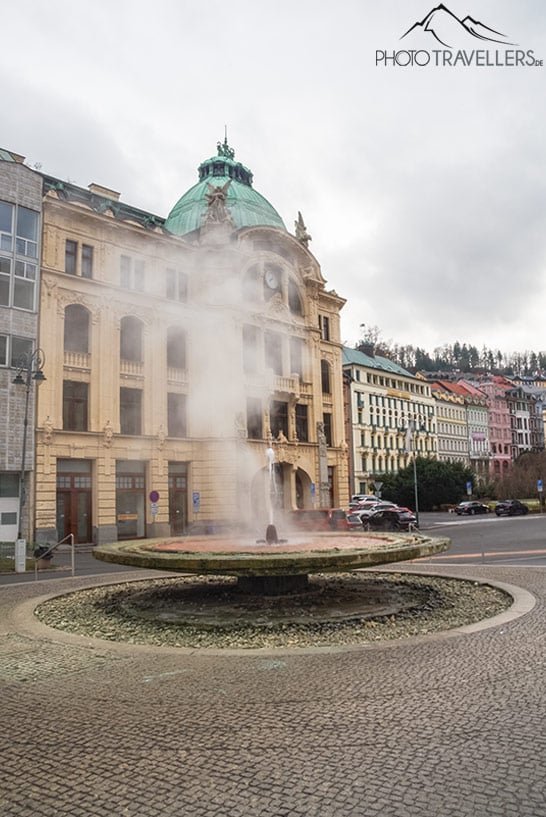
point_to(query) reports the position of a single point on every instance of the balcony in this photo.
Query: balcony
(131, 368)
(177, 376)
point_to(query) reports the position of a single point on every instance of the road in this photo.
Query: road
(475, 540)
(490, 539)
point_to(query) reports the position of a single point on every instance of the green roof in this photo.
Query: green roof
(352, 357)
(247, 207)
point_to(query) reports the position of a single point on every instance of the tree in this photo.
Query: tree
(438, 483)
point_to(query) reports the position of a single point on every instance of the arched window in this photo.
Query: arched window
(76, 328)
(130, 339)
(325, 376)
(176, 348)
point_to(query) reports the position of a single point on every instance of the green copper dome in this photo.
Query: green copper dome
(245, 205)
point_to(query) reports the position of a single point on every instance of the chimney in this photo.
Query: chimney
(367, 349)
(99, 190)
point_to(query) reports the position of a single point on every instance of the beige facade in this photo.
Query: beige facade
(383, 401)
(173, 364)
(452, 426)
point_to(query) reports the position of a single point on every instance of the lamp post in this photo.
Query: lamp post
(410, 445)
(29, 369)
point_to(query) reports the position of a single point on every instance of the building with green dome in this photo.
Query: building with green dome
(247, 207)
(185, 355)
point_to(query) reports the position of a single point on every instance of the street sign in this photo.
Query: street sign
(196, 501)
(313, 489)
(154, 496)
(469, 488)
(154, 508)
(539, 486)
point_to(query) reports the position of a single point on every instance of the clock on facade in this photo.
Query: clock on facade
(272, 278)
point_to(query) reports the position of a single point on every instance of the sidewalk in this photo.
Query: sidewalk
(449, 726)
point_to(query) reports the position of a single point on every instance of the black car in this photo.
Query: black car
(511, 507)
(470, 508)
(390, 519)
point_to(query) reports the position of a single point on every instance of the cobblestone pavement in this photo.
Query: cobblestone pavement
(440, 726)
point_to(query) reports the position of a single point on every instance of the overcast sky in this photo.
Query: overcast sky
(423, 187)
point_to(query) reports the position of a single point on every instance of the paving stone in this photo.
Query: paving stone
(449, 726)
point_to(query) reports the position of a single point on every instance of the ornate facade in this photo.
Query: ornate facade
(179, 351)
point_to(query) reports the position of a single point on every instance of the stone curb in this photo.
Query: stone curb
(25, 623)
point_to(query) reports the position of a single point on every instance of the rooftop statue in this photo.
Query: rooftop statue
(225, 150)
(301, 231)
(217, 212)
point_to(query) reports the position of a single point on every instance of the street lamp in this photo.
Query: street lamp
(29, 368)
(412, 431)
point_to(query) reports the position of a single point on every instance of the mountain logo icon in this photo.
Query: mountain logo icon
(446, 28)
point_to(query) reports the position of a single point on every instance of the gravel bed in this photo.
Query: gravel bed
(132, 612)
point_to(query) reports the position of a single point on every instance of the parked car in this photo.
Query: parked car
(390, 519)
(470, 508)
(363, 498)
(354, 522)
(511, 507)
(367, 509)
(319, 519)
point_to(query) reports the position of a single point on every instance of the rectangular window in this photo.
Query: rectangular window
(125, 272)
(302, 424)
(24, 286)
(273, 352)
(3, 350)
(138, 275)
(296, 356)
(324, 324)
(9, 518)
(250, 349)
(327, 420)
(87, 261)
(70, 257)
(177, 285)
(254, 418)
(19, 348)
(279, 418)
(9, 485)
(5, 278)
(6, 218)
(75, 400)
(27, 232)
(130, 411)
(176, 415)
(131, 273)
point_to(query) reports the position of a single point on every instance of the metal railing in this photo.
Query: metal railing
(48, 553)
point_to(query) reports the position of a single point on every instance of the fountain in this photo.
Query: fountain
(271, 566)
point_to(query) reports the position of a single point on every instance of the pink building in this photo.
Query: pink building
(500, 432)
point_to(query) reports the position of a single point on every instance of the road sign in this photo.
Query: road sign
(154, 507)
(469, 488)
(539, 486)
(196, 501)
(313, 489)
(154, 496)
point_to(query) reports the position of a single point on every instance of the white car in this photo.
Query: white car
(373, 507)
(363, 498)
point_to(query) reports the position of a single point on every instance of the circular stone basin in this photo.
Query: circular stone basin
(299, 556)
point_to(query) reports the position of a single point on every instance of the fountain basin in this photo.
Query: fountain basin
(301, 555)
